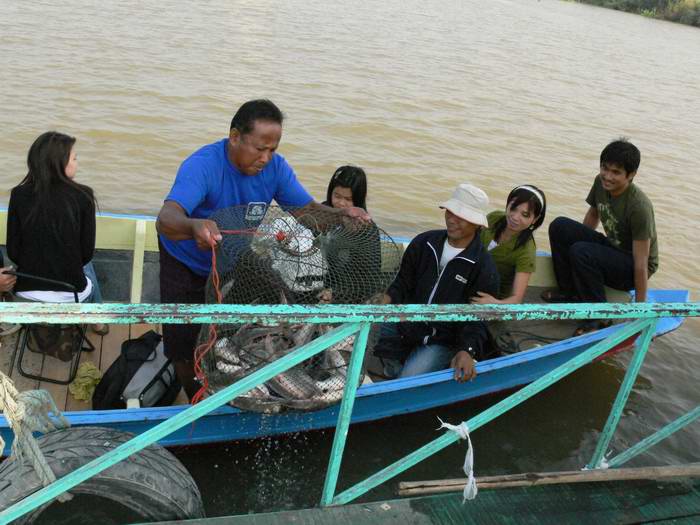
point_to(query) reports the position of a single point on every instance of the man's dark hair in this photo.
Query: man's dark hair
(260, 109)
(623, 153)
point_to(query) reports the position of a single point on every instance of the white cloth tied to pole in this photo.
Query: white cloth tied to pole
(462, 430)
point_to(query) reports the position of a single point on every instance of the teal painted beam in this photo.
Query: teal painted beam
(652, 440)
(182, 419)
(332, 313)
(623, 393)
(346, 406)
(490, 413)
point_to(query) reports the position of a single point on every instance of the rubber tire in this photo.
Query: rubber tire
(151, 482)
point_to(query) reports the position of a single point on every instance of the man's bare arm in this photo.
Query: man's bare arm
(591, 219)
(640, 254)
(174, 223)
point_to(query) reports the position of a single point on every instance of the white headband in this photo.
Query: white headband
(535, 192)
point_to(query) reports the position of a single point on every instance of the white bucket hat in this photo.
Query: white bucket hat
(469, 203)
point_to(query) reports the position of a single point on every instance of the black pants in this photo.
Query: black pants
(179, 284)
(585, 260)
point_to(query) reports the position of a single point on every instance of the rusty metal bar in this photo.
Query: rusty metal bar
(346, 313)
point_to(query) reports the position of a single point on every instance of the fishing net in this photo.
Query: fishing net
(270, 255)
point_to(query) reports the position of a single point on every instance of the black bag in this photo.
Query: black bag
(141, 371)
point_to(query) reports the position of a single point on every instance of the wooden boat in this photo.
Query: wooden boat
(126, 261)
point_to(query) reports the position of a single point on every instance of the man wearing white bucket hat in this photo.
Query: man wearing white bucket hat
(445, 266)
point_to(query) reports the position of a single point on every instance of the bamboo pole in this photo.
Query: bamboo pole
(530, 479)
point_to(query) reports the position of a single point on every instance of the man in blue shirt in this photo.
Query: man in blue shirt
(241, 170)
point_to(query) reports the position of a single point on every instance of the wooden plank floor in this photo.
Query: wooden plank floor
(107, 349)
(621, 502)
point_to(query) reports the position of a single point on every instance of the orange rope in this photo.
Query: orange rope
(203, 349)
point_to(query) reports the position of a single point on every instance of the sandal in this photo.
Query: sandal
(591, 325)
(556, 296)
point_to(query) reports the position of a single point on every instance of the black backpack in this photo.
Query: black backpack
(143, 371)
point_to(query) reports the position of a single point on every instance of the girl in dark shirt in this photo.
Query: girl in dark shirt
(51, 224)
(355, 273)
(347, 187)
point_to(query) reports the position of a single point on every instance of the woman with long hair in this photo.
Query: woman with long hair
(509, 239)
(51, 225)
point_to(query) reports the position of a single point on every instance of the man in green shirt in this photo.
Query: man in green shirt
(624, 258)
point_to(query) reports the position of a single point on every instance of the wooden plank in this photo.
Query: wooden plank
(137, 264)
(611, 502)
(7, 346)
(117, 233)
(55, 369)
(415, 488)
(107, 349)
(59, 393)
(181, 398)
(32, 362)
(94, 357)
(112, 344)
(137, 330)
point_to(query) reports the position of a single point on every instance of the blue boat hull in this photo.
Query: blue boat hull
(374, 401)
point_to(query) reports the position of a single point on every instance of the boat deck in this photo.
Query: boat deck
(622, 502)
(107, 349)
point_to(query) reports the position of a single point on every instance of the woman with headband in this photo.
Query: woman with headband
(509, 240)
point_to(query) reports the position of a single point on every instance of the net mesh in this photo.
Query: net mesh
(270, 255)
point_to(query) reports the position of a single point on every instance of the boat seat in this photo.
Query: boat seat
(64, 342)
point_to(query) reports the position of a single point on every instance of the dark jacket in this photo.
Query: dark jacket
(419, 281)
(56, 243)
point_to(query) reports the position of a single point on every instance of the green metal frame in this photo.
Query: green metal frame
(358, 319)
(491, 413)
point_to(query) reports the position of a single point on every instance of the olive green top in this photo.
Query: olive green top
(508, 259)
(626, 218)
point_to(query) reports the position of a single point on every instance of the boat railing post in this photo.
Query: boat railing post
(640, 352)
(491, 413)
(137, 263)
(344, 413)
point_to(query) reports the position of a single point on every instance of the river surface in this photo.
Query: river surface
(423, 95)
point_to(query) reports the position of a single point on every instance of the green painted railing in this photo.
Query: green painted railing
(491, 413)
(358, 319)
(332, 313)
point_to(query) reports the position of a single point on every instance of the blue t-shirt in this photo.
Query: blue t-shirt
(207, 182)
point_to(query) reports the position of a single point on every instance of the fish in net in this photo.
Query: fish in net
(271, 255)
